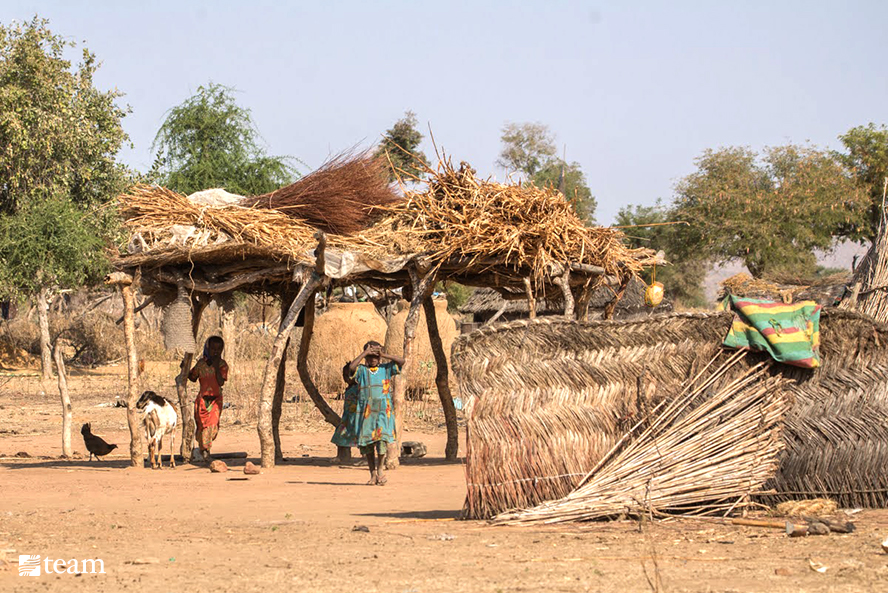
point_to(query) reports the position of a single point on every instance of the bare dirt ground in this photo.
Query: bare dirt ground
(293, 527)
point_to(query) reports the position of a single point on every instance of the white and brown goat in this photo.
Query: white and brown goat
(159, 419)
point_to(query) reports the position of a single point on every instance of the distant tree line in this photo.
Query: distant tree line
(60, 137)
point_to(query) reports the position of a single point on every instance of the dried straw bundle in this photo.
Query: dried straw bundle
(520, 225)
(703, 452)
(152, 211)
(342, 197)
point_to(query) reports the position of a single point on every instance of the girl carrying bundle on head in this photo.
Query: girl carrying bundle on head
(374, 419)
(212, 372)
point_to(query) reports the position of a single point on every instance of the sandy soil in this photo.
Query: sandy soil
(293, 528)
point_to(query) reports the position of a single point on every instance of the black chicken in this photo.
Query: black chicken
(94, 444)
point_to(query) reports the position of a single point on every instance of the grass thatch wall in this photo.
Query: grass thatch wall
(549, 397)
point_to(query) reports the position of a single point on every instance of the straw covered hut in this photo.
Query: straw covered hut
(547, 398)
(343, 225)
(486, 305)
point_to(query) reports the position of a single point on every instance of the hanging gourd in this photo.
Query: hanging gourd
(653, 294)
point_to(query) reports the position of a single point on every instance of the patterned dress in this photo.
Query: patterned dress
(346, 434)
(375, 424)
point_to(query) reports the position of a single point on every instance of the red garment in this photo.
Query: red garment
(208, 405)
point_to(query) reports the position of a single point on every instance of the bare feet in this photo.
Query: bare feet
(381, 480)
(373, 479)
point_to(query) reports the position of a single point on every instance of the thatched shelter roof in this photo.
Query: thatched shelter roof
(479, 233)
(567, 391)
(488, 301)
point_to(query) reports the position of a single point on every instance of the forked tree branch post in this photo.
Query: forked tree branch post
(266, 394)
(280, 384)
(563, 282)
(125, 283)
(442, 382)
(67, 412)
(186, 407)
(421, 286)
(302, 366)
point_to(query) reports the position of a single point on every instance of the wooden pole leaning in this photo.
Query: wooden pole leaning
(421, 286)
(280, 384)
(125, 283)
(311, 280)
(442, 381)
(186, 408)
(311, 389)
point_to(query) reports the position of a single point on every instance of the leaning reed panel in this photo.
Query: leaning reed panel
(547, 398)
(532, 387)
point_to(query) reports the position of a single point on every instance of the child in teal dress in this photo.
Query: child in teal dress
(374, 420)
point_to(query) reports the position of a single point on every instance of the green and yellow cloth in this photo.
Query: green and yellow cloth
(790, 333)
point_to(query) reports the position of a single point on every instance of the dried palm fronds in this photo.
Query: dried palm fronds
(342, 197)
(548, 398)
(461, 215)
(704, 451)
(869, 288)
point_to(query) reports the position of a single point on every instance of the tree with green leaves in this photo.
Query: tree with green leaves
(770, 211)
(400, 146)
(59, 137)
(526, 147)
(867, 158)
(569, 179)
(529, 148)
(651, 227)
(211, 141)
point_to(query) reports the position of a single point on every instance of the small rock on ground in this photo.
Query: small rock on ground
(218, 466)
(251, 470)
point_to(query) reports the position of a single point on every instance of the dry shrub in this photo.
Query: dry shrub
(20, 334)
(95, 338)
(422, 377)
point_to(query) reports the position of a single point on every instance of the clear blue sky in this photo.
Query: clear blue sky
(634, 90)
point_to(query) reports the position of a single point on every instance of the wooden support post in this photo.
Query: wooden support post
(266, 393)
(67, 412)
(125, 283)
(451, 450)
(582, 306)
(302, 366)
(186, 407)
(421, 287)
(563, 282)
(531, 302)
(280, 384)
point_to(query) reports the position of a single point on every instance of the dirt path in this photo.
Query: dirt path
(292, 528)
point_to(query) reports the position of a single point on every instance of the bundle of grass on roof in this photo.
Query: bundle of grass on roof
(155, 212)
(705, 451)
(517, 225)
(342, 197)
